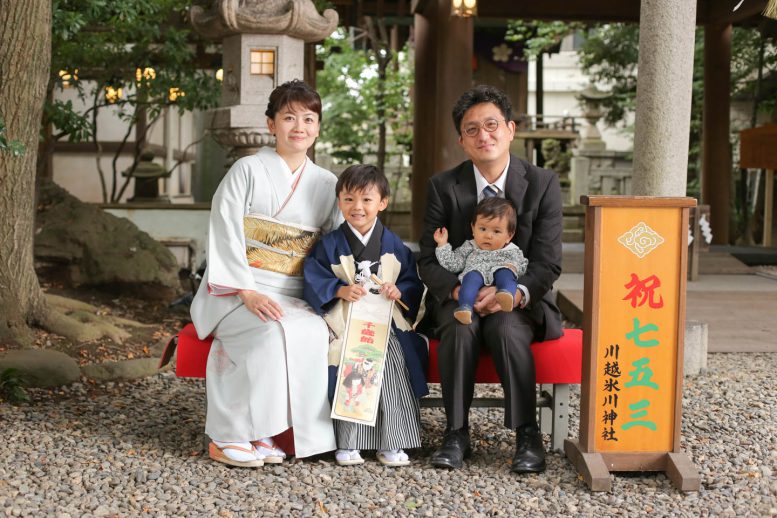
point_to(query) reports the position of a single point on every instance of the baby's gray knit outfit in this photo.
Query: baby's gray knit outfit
(469, 257)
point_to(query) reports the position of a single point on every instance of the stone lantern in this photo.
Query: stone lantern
(263, 46)
(594, 168)
(146, 175)
(590, 100)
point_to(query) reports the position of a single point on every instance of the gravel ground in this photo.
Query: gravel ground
(132, 448)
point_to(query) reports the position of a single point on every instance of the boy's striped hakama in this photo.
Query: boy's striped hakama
(399, 417)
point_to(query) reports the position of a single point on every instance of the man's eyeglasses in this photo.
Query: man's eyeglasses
(490, 125)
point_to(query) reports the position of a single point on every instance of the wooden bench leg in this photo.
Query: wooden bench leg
(560, 428)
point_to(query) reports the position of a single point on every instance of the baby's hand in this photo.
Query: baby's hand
(390, 291)
(441, 236)
(350, 293)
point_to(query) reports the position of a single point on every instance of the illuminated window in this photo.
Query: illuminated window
(262, 62)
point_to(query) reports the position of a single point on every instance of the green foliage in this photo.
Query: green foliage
(12, 386)
(353, 98)
(747, 43)
(78, 127)
(609, 56)
(15, 147)
(323, 5)
(539, 37)
(144, 47)
(107, 42)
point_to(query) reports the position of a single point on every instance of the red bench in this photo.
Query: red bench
(558, 364)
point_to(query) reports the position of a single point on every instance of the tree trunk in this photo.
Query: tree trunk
(25, 59)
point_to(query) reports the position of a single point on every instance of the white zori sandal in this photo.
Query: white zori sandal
(238, 454)
(268, 451)
(348, 457)
(393, 458)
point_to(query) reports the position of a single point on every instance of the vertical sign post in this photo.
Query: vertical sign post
(636, 249)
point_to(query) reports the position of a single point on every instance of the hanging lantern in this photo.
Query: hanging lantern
(174, 93)
(147, 73)
(66, 77)
(113, 94)
(464, 8)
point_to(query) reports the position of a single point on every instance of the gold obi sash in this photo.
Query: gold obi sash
(275, 246)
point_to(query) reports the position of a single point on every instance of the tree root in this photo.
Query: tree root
(66, 304)
(81, 322)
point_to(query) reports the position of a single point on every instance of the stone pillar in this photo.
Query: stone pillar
(443, 70)
(695, 348)
(663, 118)
(716, 147)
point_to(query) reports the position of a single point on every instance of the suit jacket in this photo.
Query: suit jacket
(536, 194)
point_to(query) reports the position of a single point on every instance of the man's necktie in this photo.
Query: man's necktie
(489, 191)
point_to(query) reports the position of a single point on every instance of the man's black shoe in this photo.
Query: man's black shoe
(455, 448)
(529, 451)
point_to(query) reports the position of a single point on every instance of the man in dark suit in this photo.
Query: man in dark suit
(483, 119)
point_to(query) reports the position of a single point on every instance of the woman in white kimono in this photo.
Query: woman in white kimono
(267, 369)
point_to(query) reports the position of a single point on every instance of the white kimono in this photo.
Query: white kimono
(264, 377)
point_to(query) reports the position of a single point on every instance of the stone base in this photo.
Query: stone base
(249, 116)
(695, 348)
(592, 144)
(595, 468)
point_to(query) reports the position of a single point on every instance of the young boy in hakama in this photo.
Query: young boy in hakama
(360, 248)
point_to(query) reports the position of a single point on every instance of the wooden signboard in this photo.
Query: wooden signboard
(634, 321)
(758, 147)
(363, 360)
(758, 150)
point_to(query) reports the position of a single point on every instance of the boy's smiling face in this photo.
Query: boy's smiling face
(360, 208)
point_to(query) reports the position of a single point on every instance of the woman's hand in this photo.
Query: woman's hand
(441, 236)
(350, 293)
(260, 305)
(390, 291)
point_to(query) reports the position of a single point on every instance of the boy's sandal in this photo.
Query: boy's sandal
(222, 455)
(268, 452)
(393, 458)
(348, 457)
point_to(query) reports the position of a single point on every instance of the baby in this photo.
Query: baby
(489, 258)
